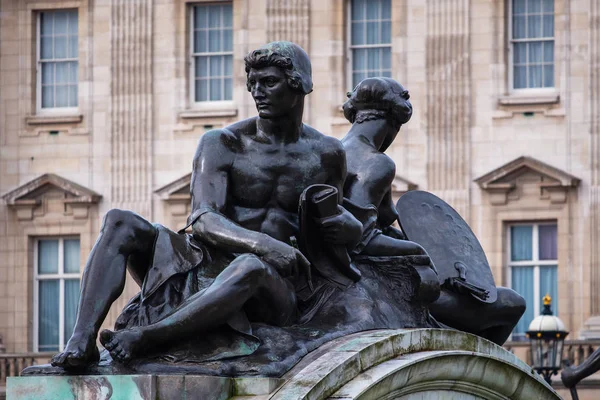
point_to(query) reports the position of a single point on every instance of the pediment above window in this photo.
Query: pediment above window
(177, 189)
(177, 195)
(526, 176)
(51, 194)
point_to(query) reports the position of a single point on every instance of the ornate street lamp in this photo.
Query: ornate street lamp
(546, 335)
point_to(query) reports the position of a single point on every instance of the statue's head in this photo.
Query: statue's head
(379, 98)
(278, 77)
(289, 57)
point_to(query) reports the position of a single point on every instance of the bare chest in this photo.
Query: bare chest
(274, 175)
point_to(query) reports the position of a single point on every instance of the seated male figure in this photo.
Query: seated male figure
(246, 183)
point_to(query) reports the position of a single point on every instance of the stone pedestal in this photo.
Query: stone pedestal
(386, 364)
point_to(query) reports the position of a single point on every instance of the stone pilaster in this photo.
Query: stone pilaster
(289, 20)
(448, 101)
(594, 93)
(131, 116)
(131, 104)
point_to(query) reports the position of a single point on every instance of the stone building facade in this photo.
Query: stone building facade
(102, 104)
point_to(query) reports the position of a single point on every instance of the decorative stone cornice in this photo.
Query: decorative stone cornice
(176, 189)
(177, 195)
(554, 182)
(402, 185)
(25, 198)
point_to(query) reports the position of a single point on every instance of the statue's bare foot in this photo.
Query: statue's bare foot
(122, 345)
(79, 352)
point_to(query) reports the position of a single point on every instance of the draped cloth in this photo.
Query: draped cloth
(182, 267)
(384, 298)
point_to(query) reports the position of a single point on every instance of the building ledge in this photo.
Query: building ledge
(210, 110)
(194, 114)
(529, 99)
(54, 119)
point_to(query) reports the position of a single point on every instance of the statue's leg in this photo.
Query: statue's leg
(125, 241)
(247, 277)
(494, 322)
(382, 245)
(503, 315)
(571, 376)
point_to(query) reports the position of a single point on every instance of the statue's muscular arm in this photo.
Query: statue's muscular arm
(387, 213)
(386, 209)
(209, 187)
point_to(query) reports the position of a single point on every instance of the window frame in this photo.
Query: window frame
(535, 262)
(511, 58)
(209, 104)
(38, 67)
(61, 276)
(350, 47)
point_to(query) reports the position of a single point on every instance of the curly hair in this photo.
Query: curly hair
(287, 56)
(378, 98)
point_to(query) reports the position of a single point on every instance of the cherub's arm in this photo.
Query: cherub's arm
(387, 215)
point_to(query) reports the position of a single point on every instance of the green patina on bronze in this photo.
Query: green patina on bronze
(126, 387)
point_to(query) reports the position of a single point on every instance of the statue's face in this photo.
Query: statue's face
(273, 96)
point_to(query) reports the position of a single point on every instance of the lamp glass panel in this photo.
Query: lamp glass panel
(536, 352)
(558, 355)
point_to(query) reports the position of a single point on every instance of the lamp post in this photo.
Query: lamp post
(546, 336)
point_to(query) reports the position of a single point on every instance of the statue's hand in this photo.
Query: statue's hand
(342, 228)
(286, 259)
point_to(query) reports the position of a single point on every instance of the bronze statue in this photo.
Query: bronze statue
(286, 252)
(572, 375)
(468, 287)
(241, 284)
(377, 108)
(246, 184)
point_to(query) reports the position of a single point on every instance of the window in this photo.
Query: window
(533, 268)
(58, 66)
(370, 39)
(532, 41)
(56, 292)
(212, 52)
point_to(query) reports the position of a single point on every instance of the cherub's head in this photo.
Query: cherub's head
(379, 98)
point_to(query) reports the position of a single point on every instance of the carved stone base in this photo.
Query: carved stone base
(381, 364)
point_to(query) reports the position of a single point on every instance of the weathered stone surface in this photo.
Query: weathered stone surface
(138, 387)
(115, 387)
(384, 364)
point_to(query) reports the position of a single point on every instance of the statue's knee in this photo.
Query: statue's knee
(520, 304)
(118, 219)
(513, 300)
(251, 268)
(420, 250)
